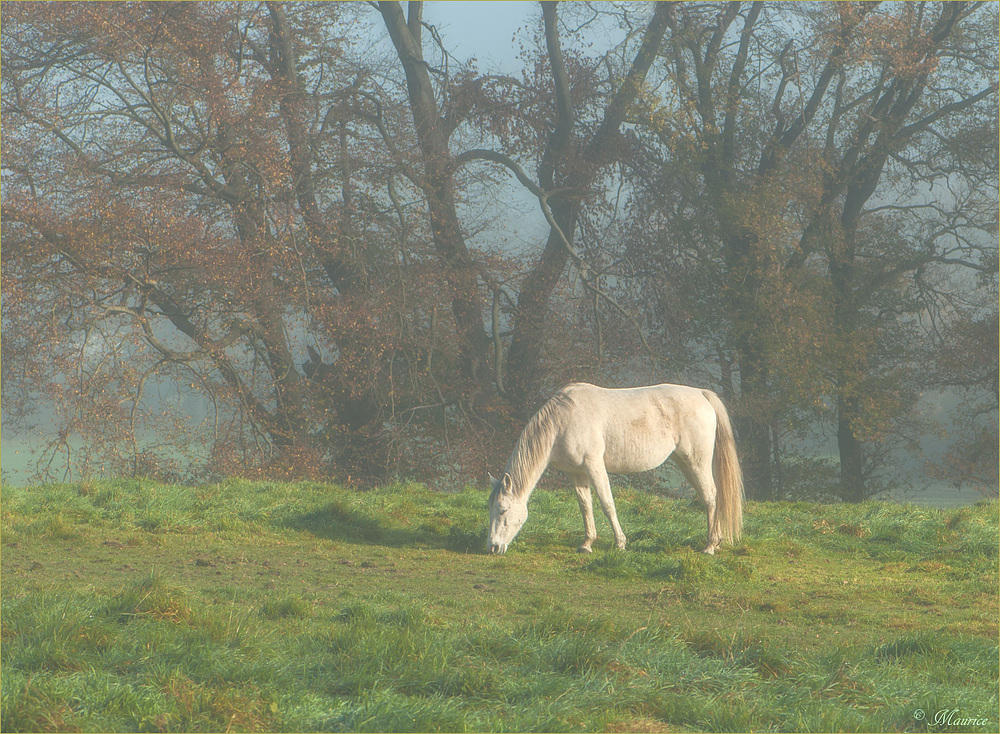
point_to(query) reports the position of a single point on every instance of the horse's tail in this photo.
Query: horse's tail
(728, 475)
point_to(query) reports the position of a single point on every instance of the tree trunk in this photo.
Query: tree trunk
(752, 423)
(523, 374)
(282, 66)
(523, 365)
(850, 367)
(852, 480)
(433, 134)
(753, 413)
(357, 441)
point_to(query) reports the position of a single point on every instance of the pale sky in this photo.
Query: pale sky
(484, 30)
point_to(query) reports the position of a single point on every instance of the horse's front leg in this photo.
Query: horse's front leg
(582, 486)
(602, 485)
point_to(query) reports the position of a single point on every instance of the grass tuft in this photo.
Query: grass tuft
(289, 606)
(150, 598)
(921, 644)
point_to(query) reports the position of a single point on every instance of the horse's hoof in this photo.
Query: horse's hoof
(709, 551)
(584, 549)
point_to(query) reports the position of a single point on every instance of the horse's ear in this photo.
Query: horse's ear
(507, 483)
(494, 488)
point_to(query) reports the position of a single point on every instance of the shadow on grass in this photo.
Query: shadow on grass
(347, 524)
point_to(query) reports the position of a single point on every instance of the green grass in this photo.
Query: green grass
(131, 605)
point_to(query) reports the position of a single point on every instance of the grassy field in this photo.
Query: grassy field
(134, 606)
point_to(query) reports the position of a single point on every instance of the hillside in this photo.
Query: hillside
(130, 605)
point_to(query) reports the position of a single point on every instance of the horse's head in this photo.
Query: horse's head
(507, 514)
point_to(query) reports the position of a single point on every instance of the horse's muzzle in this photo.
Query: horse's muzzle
(498, 549)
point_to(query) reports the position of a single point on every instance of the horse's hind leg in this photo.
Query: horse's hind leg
(699, 474)
(581, 483)
(599, 477)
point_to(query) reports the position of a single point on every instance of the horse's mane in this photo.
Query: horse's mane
(531, 453)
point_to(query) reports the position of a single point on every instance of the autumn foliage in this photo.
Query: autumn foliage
(262, 239)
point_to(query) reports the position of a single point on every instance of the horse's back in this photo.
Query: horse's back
(635, 404)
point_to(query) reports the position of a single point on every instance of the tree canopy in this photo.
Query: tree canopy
(261, 237)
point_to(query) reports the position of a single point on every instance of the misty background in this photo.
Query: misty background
(133, 229)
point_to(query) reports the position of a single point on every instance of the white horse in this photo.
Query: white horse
(587, 431)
